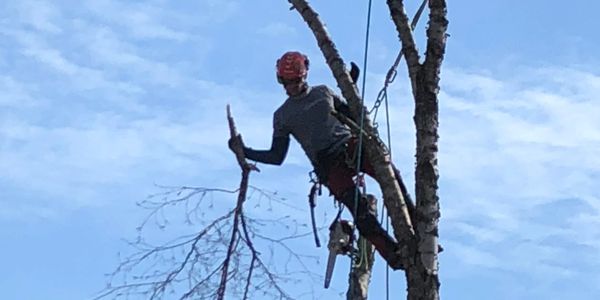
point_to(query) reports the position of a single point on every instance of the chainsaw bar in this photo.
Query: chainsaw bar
(330, 266)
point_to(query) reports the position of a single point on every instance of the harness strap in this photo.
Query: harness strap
(338, 216)
(316, 188)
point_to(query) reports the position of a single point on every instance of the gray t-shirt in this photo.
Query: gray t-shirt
(308, 119)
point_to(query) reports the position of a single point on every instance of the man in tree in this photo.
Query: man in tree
(328, 143)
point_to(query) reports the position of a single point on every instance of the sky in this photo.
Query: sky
(104, 101)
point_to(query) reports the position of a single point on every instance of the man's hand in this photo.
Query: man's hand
(236, 142)
(354, 72)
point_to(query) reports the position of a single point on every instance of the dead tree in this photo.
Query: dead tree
(418, 237)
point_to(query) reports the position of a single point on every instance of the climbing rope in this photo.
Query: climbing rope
(362, 114)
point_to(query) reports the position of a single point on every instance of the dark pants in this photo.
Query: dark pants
(339, 176)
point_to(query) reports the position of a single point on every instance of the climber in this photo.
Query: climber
(329, 145)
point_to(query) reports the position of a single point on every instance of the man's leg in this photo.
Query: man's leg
(340, 183)
(366, 221)
(367, 167)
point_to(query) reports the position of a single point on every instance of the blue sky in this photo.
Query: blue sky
(100, 100)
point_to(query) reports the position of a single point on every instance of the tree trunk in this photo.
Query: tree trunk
(360, 276)
(422, 277)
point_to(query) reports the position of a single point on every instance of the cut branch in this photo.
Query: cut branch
(237, 148)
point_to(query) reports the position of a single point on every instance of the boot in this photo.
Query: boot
(368, 226)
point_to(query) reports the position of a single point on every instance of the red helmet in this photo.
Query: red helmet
(292, 66)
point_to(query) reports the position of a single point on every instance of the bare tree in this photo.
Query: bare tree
(418, 237)
(222, 259)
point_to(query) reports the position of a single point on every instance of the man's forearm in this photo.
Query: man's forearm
(274, 156)
(263, 156)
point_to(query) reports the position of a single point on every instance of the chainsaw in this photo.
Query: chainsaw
(341, 239)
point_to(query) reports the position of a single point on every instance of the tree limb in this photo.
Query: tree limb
(409, 48)
(237, 148)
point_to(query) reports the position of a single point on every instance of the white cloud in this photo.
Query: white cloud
(472, 255)
(42, 15)
(14, 93)
(155, 20)
(108, 50)
(277, 29)
(142, 21)
(142, 26)
(105, 162)
(80, 76)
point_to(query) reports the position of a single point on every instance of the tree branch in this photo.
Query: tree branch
(409, 48)
(238, 215)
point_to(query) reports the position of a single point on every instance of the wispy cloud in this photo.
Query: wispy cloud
(14, 93)
(155, 20)
(511, 148)
(85, 108)
(41, 15)
(277, 29)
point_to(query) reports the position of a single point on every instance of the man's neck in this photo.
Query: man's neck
(301, 90)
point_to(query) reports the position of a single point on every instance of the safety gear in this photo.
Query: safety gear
(341, 238)
(292, 67)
